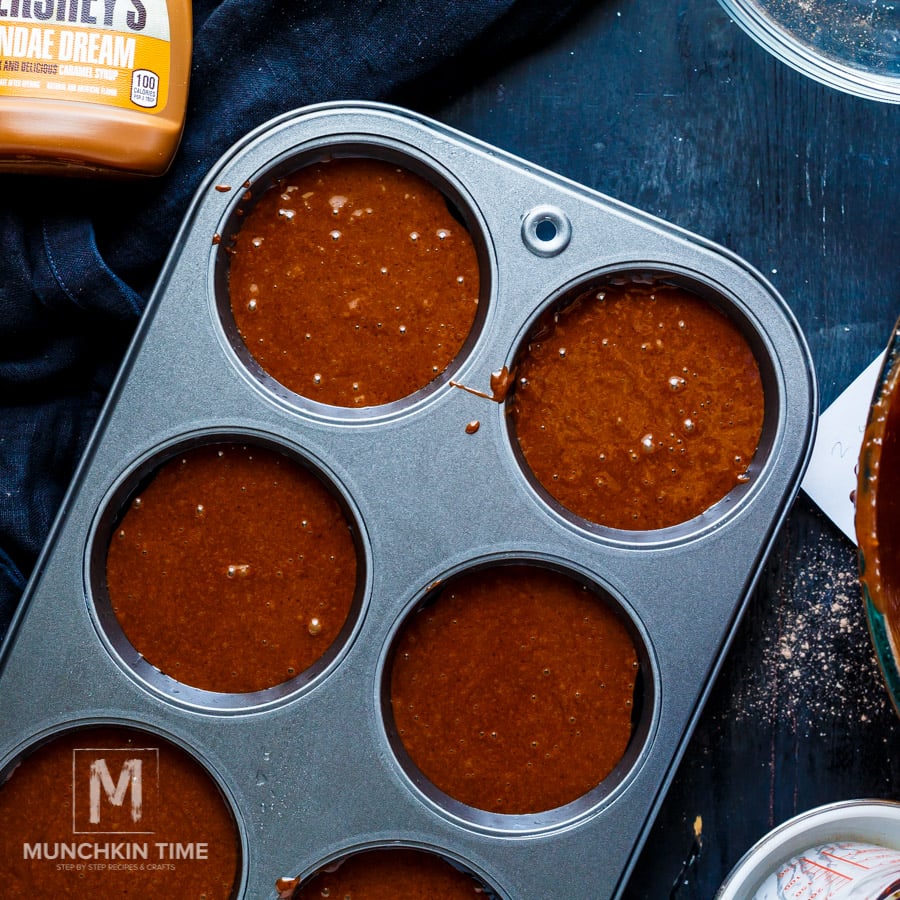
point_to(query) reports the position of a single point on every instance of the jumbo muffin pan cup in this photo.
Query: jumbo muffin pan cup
(312, 764)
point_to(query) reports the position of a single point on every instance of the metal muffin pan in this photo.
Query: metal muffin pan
(312, 768)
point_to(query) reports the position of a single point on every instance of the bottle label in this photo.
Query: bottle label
(112, 52)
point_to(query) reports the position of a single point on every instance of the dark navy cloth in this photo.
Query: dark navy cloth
(79, 258)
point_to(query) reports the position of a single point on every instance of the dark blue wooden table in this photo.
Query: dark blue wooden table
(670, 107)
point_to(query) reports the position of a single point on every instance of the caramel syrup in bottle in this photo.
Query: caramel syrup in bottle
(93, 87)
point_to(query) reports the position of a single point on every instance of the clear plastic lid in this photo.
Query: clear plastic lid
(852, 45)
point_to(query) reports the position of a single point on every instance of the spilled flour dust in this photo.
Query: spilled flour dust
(813, 659)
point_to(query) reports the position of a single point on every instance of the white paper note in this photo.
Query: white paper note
(830, 479)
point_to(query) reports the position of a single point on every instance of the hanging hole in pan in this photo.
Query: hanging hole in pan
(546, 231)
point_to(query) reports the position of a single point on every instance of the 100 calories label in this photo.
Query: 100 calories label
(841, 871)
(111, 52)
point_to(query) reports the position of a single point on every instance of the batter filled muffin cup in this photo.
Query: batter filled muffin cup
(384, 873)
(516, 689)
(230, 567)
(638, 404)
(113, 811)
(352, 280)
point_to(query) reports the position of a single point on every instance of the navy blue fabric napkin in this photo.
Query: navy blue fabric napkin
(78, 259)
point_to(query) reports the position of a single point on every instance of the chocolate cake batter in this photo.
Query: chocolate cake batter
(387, 874)
(171, 833)
(638, 406)
(878, 507)
(513, 691)
(352, 283)
(233, 570)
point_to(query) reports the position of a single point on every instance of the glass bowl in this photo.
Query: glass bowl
(878, 517)
(851, 45)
